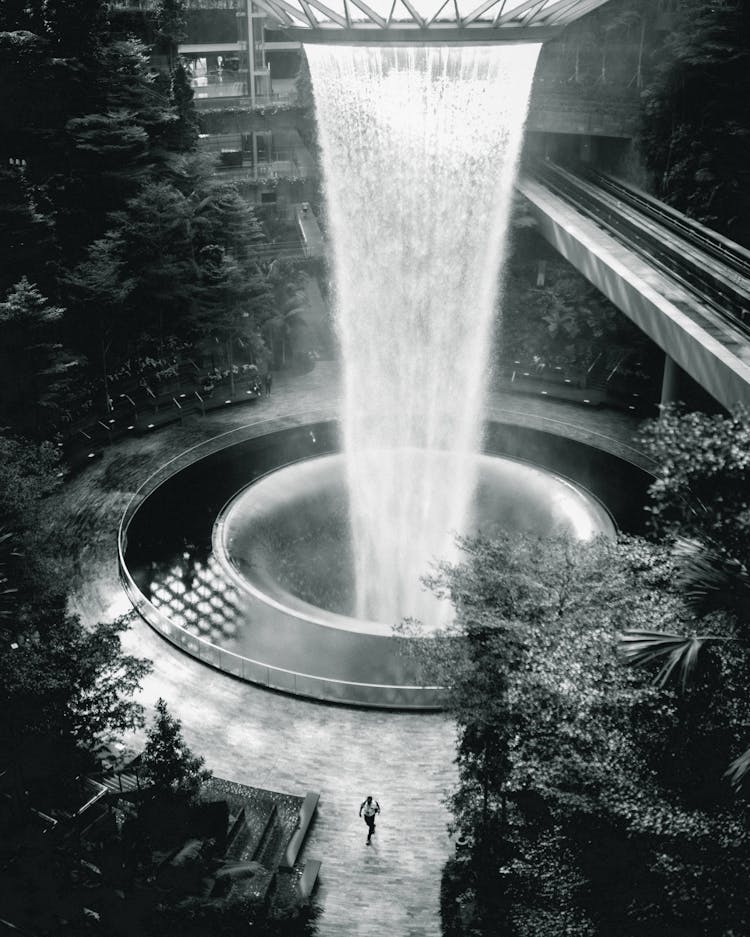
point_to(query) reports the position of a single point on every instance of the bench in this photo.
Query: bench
(306, 814)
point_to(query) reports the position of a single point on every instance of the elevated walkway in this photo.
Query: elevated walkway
(309, 230)
(695, 328)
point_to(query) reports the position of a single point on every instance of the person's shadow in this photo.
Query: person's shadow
(372, 853)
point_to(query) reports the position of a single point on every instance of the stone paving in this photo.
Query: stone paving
(264, 739)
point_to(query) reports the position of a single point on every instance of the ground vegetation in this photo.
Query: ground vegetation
(554, 325)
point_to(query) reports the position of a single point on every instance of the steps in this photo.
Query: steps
(306, 814)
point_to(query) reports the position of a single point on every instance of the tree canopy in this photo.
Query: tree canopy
(696, 116)
(65, 689)
(168, 765)
(587, 802)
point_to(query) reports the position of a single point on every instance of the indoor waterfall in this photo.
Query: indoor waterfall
(419, 150)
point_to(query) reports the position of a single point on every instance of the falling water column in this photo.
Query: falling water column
(419, 149)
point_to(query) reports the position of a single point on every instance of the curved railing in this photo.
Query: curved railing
(237, 665)
(577, 432)
(280, 678)
(206, 448)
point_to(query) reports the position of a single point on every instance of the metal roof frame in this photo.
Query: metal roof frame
(401, 22)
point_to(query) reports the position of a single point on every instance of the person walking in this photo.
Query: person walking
(269, 381)
(370, 808)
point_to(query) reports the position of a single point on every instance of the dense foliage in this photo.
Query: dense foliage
(65, 689)
(699, 501)
(552, 320)
(120, 244)
(588, 801)
(595, 798)
(556, 315)
(120, 251)
(696, 126)
(702, 489)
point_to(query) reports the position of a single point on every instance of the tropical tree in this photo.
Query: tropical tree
(34, 360)
(601, 818)
(287, 310)
(224, 309)
(156, 233)
(75, 28)
(127, 83)
(701, 488)
(559, 317)
(66, 690)
(304, 100)
(100, 288)
(700, 501)
(25, 232)
(222, 216)
(29, 475)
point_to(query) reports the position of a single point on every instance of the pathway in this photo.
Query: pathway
(388, 889)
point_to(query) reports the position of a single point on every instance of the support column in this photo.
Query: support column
(250, 52)
(670, 381)
(541, 272)
(584, 149)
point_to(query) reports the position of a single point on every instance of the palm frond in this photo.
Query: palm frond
(712, 580)
(677, 652)
(738, 769)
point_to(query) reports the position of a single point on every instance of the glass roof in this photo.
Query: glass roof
(324, 18)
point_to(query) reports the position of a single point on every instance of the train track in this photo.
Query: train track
(713, 268)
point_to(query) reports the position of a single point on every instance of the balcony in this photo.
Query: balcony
(238, 156)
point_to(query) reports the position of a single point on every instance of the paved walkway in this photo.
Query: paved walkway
(388, 889)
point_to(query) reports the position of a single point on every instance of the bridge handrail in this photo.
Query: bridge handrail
(732, 248)
(719, 281)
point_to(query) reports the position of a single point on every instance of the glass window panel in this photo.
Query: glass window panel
(467, 6)
(424, 8)
(303, 20)
(550, 7)
(428, 8)
(525, 11)
(527, 14)
(381, 7)
(336, 5)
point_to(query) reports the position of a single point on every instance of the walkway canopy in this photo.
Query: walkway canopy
(424, 22)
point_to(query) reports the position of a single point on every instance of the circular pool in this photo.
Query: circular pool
(238, 551)
(286, 538)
